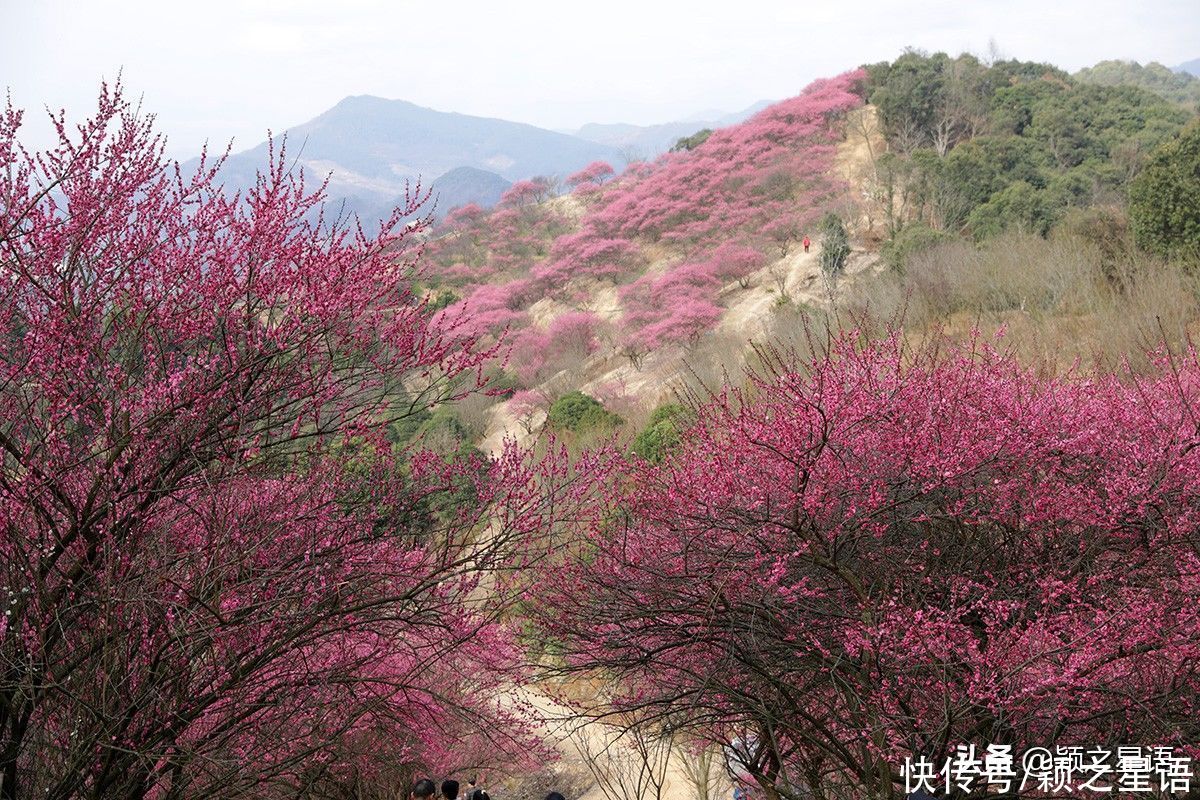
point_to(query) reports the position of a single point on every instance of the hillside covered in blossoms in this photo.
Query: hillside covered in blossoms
(850, 439)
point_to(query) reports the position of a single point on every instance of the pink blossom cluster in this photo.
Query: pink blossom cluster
(749, 190)
(593, 174)
(217, 575)
(565, 343)
(774, 165)
(879, 554)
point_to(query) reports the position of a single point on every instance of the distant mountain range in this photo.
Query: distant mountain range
(648, 141)
(463, 185)
(370, 147)
(458, 187)
(1191, 67)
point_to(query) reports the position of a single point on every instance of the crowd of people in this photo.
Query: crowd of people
(426, 789)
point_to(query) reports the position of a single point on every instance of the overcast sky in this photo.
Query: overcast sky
(224, 69)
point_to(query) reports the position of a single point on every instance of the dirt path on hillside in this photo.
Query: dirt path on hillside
(750, 316)
(751, 311)
(602, 746)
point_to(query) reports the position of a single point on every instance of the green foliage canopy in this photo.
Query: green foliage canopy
(1178, 87)
(835, 244)
(581, 413)
(661, 434)
(1164, 200)
(981, 149)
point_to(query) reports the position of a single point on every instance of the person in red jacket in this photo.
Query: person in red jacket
(806, 242)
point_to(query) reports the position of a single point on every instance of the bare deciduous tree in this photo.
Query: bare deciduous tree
(628, 765)
(702, 767)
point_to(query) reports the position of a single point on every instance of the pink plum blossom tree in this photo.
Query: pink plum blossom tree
(218, 578)
(878, 554)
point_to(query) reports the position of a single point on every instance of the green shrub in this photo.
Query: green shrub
(1164, 200)
(835, 244)
(444, 433)
(581, 413)
(691, 142)
(441, 300)
(661, 434)
(909, 241)
(1019, 206)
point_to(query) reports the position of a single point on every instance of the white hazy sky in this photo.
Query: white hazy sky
(225, 69)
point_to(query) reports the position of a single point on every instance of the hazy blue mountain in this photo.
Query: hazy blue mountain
(370, 147)
(743, 115)
(647, 141)
(463, 185)
(1191, 67)
(638, 141)
(458, 187)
